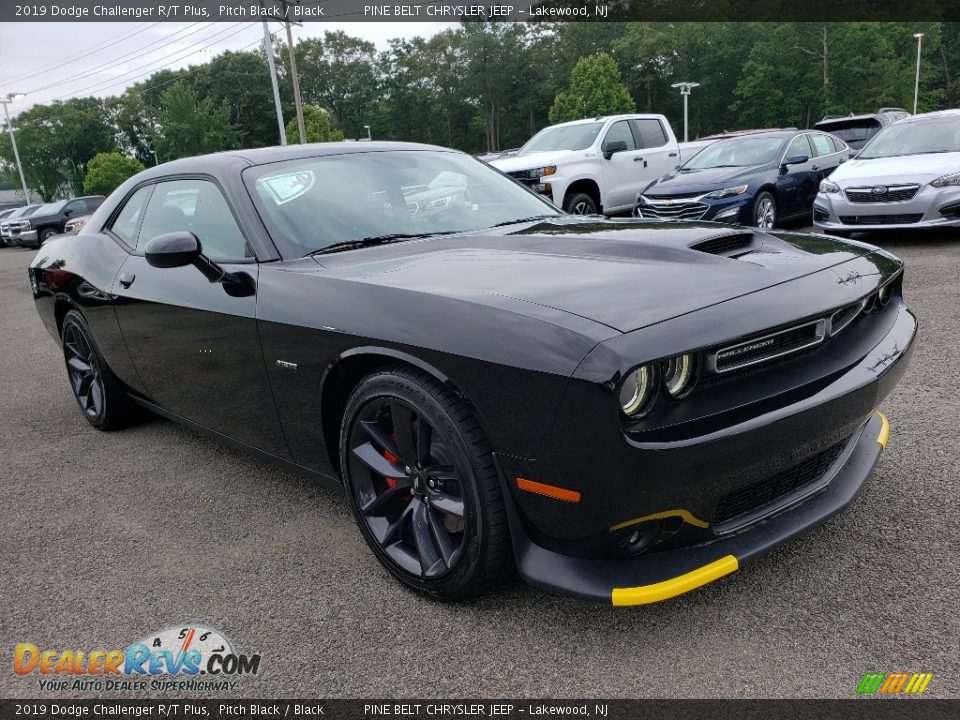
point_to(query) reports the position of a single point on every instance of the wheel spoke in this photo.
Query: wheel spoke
(448, 504)
(430, 562)
(369, 456)
(380, 435)
(84, 383)
(81, 366)
(378, 504)
(394, 531)
(403, 418)
(441, 537)
(96, 397)
(442, 473)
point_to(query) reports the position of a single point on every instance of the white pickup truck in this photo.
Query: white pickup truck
(597, 165)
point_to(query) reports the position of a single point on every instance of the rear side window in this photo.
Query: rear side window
(651, 133)
(125, 224)
(821, 144)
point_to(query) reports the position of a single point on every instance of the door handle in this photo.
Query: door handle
(815, 167)
(126, 279)
(672, 155)
(640, 159)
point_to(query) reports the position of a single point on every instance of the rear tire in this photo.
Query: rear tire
(101, 396)
(580, 204)
(423, 485)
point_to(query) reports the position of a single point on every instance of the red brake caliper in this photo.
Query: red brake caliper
(391, 482)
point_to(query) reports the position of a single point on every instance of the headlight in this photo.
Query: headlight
(883, 295)
(25, 225)
(542, 172)
(951, 180)
(727, 192)
(828, 187)
(679, 374)
(636, 390)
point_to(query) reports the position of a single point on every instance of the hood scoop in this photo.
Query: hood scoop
(728, 245)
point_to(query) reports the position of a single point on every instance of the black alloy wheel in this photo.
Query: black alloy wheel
(100, 395)
(423, 486)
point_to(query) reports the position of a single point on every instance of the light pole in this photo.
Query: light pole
(268, 49)
(13, 141)
(916, 82)
(369, 136)
(685, 88)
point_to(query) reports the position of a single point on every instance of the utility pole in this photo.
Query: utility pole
(293, 71)
(916, 82)
(268, 48)
(13, 141)
(685, 88)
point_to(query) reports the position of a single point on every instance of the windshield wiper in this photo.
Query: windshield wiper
(374, 240)
(532, 218)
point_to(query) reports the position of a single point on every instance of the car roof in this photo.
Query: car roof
(238, 159)
(952, 112)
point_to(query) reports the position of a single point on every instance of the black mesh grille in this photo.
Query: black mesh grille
(750, 499)
(895, 194)
(905, 219)
(755, 350)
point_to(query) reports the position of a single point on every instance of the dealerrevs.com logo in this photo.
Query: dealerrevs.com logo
(187, 657)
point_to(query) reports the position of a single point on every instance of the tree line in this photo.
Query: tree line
(486, 86)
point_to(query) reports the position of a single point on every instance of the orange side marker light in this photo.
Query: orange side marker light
(551, 491)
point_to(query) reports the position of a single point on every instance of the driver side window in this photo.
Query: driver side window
(620, 130)
(799, 146)
(195, 206)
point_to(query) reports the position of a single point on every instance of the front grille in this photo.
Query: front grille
(767, 347)
(667, 209)
(753, 498)
(523, 177)
(841, 318)
(881, 219)
(898, 193)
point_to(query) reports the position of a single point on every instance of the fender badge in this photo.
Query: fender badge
(286, 365)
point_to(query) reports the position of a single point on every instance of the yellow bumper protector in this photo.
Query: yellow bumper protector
(685, 515)
(884, 433)
(675, 586)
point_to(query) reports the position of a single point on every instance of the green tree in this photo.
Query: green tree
(595, 89)
(106, 171)
(190, 126)
(320, 127)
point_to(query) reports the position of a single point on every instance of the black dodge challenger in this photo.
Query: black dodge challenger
(623, 410)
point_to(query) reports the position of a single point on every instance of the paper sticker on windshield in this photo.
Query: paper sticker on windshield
(289, 186)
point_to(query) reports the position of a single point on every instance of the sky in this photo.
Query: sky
(102, 59)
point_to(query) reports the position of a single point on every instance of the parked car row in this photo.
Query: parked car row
(31, 225)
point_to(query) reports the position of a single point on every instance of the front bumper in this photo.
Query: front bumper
(735, 210)
(682, 482)
(930, 208)
(663, 575)
(22, 237)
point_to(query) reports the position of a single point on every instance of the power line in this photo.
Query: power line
(110, 64)
(90, 51)
(102, 85)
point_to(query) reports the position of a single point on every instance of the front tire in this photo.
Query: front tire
(46, 234)
(100, 395)
(423, 486)
(580, 204)
(765, 211)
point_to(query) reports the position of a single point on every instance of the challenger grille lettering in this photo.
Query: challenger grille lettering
(744, 349)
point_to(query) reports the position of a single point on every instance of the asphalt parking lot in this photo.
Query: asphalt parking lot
(107, 537)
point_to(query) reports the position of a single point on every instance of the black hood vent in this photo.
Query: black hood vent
(732, 244)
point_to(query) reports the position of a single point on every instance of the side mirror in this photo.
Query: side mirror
(612, 147)
(67, 212)
(172, 250)
(179, 249)
(796, 160)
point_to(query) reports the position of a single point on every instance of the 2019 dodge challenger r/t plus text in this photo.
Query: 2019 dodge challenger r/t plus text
(623, 410)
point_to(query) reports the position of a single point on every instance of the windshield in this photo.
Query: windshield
(563, 137)
(314, 203)
(736, 152)
(23, 211)
(933, 135)
(50, 208)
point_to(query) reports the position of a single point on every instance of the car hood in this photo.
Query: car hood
(697, 182)
(622, 274)
(897, 170)
(516, 163)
